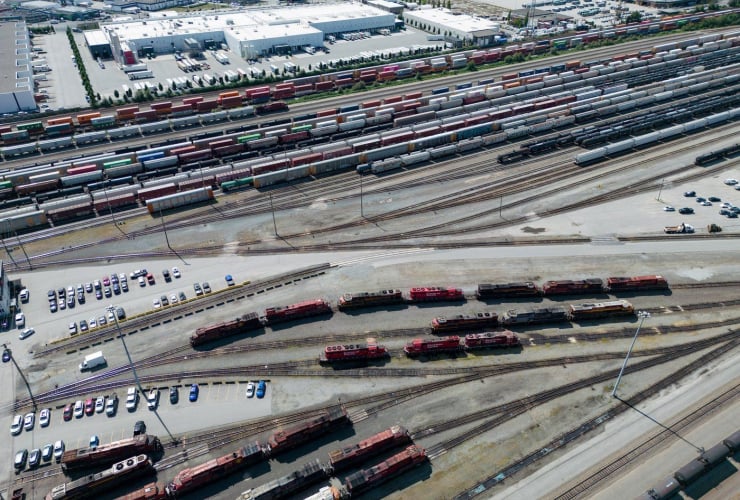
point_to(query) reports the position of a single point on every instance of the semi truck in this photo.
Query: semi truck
(92, 360)
(682, 228)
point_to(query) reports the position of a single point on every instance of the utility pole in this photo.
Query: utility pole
(662, 182)
(167, 239)
(7, 221)
(274, 224)
(643, 315)
(362, 211)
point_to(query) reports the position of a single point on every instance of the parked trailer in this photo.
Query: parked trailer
(177, 200)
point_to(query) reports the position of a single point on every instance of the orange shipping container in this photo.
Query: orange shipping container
(59, 121)
(86, 118)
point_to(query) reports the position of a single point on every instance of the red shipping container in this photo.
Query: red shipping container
(370, 104)
(397, 138)
(207, 105)
(146, 194)
(220, 142)
(283, 93)
(270, 166)
(304, 89)
(257, 90)
(336, 153)
(128, 111)
(286, 85)
(192, 100)
(324, 85)
(305, 159)
(326, 112)
(228, 102)
(413, 95)
(228, 150)
(105, 204)
(390, 100)
(148, 114)
(182, 150)
(161, 105)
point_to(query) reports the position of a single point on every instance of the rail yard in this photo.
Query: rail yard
(419, 291)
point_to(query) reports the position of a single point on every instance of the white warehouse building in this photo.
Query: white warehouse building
(249, 33)
(16, 64)
(458, 26)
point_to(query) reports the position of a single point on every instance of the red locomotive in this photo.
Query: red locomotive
(600, 309)
(504, 338)
(385, 470)
(351, 455)
(109, 453)
(152, 491)
(369, 299)
(567, 287)
(353, 352)
(420, 346)
(435, 293)
(93, 483)
(625, 284)
(295, 311)
(290, 438)
(210, 333)
(188, 480)
(465, 321)
(507, 290)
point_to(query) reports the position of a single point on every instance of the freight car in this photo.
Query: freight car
(430, 294)
(531, 316)
(285, 486)
(369, 299)
(616, 284)
(353, 352)
(569, 287)
(303, 309)
(374, 445)
(365, 479)
(287, 439)
(190, 479)
(418, 347)
(485, 319)
(109, 453)
(600, 310)
(507, 290)
(91, 485)
(177, 200)
(209, 333)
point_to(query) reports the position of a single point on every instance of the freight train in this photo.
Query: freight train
(90, 485)
(501, 339)
(85, 458)
(683, 477)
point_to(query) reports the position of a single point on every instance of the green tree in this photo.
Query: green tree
(634, 17)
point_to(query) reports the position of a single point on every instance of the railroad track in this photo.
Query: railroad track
(499, 476)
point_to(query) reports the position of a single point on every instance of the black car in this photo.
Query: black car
(174, 395)
(699, 199)
(139, 428)
(166, 274)
(98, 294)
(732, 215)
(51, 295)
(690, 194)
(120, 313)
(81, 297)
(686, 210)
(116, 289)
(714, 199)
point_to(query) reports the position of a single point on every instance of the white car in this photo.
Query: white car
(153, 399)
(706, 203)
(173, 299)
(44, 417)
(250, 389)
(29, 420)
(142, 281)
(17, 426)
(668, 208)
(58, 450)
(132, 397)
(20, 320)
(100, 404)
(176, 272)
(731, 182)
(24, 295)
(79, 409)
(26, 333)
(93, 323)
(156, 304)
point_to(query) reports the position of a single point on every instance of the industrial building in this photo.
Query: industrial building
(16, 88)
(475, 30)
(250, 34)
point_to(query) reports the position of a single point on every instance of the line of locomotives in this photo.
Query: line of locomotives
(354, 301)
(395, 445)
(683, 477)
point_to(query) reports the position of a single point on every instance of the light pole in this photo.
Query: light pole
(7, 221)
(112, 309)
(362, 211)
(643, 315)
(167, 239)
(6, 349)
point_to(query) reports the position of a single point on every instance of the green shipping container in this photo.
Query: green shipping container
(236, 184)
(31, 126)
(6, 184)
(301, 128)
(247, 138)
(117, 163)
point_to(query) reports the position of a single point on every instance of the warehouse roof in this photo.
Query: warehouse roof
(95, 37)
(460, 22)
(8, 58)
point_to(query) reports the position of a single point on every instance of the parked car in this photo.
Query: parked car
(668, 208)
(730, 182)
(58, 450)
(261, 389)
(19, 462)
(164, 300)
(198, 289)
(686, 210)
(47, 452)
(132, 397)
(67, 413)
(94, 441)
(100, 404)
(34, 458)
(139, 428)
(250, 389)
(89, 406)
(73, 328)
(83, 325)
(153, 399)
(150, 278)
(714, 199)
(176, 272)
(111, 407)
(174, 395)
(194, 390)
(142, 281)
(27, 332)
(20, 320)
(206, 287)
(182, 296)
(29, 420)
(229, 280)
(79, 409)
(166, 274)
(24, 295)
(17, 426)
(45, 417)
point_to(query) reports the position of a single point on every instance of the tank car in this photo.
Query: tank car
(435, 293)
(625, 284)
(531, 316)
(420, 346)
(303, 309)
(665, 489)
(457, 322)
(210, 333)
(287, 439)
(89, 485)
(353, 352)
(568, 287)
(591, 310)
(370, 299)
(352, 455)
(365, 479)
(504, 338)
(507, 290)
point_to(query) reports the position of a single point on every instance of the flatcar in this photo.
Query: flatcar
(568, 287)
(109, 453)
(370, 299)
(192, 478)
(624, 284)
(287, 485)
(485, 319)
(92, 484)
(507, 290)
(303, 309)
(531, 316)
(353, 352)
(503, 338)
(357, 453)
(287, 439)
(591, 310)
(365, 479)
(418, 347)
(210, 333)
(435, 293)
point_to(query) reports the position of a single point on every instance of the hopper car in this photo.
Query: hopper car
(90, 485)
(353, 352)
(486, 319)
(244, 323)
(109, 453)
(370, 299)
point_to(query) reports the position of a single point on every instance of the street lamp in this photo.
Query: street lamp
(7, 352)
(643, 315)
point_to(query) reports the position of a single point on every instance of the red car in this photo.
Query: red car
(67, 413)
(150, 278)
(106, 281)
(89, 407)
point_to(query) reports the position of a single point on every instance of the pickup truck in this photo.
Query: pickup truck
(682, 228)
